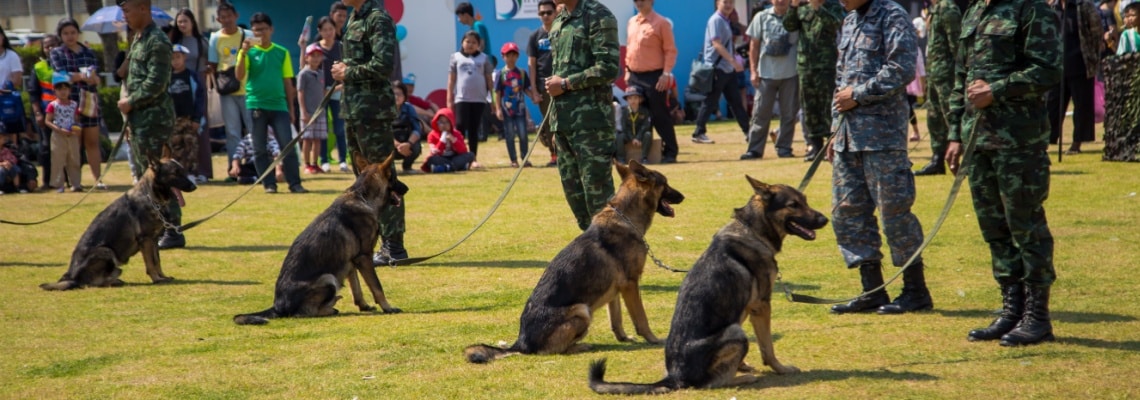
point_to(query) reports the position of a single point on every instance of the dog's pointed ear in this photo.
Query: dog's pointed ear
(639, 171)
(358, 161)
(759, 187)
(166, 151)
(623, 171)
(386, 166)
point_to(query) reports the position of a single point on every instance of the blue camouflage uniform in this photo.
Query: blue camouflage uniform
(877, 59)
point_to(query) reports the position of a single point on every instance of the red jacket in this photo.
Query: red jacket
(436, 145)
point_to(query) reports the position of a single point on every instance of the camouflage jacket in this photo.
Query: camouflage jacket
(942, 43)
(369, 51)
(818, 31)
(588, 57)
(1015, 46)
(877, 57)
(148, 77)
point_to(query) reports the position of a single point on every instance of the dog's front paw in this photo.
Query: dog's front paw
(162, 279)
(785, 369)
(654, 340)
(392, 310)
(745, 368)
(624, 339)
(116, 283)
(365, 308)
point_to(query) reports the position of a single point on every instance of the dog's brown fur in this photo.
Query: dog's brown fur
(128, 226)
(336, 245)
(735, 277)
(602, 263)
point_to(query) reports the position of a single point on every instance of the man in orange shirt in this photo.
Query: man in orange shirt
(649, 59)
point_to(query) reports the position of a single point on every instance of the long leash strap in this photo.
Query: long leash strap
(819, 156)
(494, 207)
(106, 167)
(954, 189)
(272, 166)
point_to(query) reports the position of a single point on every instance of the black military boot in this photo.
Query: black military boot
(914, 296)
(816, 146)
(391, 250)
(172, 238)
(1035, 326)
(937, 166)
(1012, 308)
(871, 274)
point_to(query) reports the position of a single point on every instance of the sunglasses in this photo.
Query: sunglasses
(545, 13)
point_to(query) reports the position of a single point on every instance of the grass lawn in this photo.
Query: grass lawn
(178, 340)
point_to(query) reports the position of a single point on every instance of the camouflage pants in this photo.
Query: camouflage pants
(938, 104)
(372, 140)
(860, 181)
(146, 144)
(817, 89)
(1009, 189)
(184, 144)
(585, 168)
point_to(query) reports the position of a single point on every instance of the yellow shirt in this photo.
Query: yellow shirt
(224, 50)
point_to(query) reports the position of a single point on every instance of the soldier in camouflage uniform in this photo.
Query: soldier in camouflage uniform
(149, 108)
(870, 165)
(370, 106)
(942, 50)
(818, 23)
(584, 44)
(1010, 56)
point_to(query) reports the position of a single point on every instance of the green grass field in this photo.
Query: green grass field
(177, 341)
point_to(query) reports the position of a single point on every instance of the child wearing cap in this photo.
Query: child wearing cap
(189, 98)
(634, 126)
(310, 88)
(61, 119)
(511, 87)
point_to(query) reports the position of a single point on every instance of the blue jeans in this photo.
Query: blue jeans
(236, 117)
(283, 131)
(338, 130)
(515, 127)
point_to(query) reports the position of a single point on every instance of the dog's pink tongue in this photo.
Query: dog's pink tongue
(178, 195)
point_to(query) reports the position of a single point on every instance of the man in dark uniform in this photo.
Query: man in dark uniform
(1009, 57)
(583, 119)
(370, 106)
(149, 108)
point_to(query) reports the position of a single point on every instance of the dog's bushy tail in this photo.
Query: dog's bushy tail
(482, 354)
(599, 385)
(61, 285)
(260, 318)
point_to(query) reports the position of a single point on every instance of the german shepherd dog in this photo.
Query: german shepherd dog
(604, 261)
(731, 281)
(336, 245)
(132, 223)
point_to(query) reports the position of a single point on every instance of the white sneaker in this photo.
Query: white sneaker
(325, 167)
(203, 179)
(23, 191)
(343, 167)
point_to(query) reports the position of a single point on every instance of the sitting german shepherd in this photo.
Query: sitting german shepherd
(336, 245)
(731, 281)
(132, 223)
(604, 261)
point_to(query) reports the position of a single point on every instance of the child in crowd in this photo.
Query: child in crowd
(311, 89)
(468, 87)
(242, 167)
(14, 175)
(634, 126)
(406, 131)
(61, 119)
(189, 97)
(511, 88)
(448, 153)
(1130, 38)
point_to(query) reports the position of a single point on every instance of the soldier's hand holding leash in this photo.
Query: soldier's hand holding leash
(338, 69)
(845, 99)
(557, 85)
(980, 97)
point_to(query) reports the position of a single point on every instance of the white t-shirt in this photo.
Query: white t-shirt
(9, 63)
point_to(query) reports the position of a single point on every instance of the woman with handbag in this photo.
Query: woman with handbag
(81, 67)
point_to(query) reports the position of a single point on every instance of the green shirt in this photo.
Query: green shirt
(266, 72)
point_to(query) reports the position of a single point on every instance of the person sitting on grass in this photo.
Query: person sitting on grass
(14, 175)
(634, 126)
(448, 152)
(406, 131)
(242, 167)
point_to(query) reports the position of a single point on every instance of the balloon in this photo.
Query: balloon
(401, 32)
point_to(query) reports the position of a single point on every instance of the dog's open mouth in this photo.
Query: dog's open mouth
(663, 208)
(801, 231)
(394, 199)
